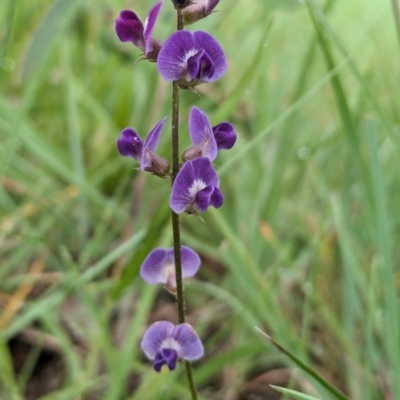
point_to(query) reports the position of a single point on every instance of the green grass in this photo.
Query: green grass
(305, 246)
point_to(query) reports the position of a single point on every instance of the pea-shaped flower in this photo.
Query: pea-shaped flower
(159, 266)
(207, 140)
(196, 187)
(130, 28)
(130, 144)
(166, 343)
(191, 58)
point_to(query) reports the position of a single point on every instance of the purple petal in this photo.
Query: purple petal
(225, 135)
(200, 66)
(200, 131)
(204, 171)
(173, 58)
(173, 55)
(194, 176)
(203, 198)
(166, 356)
(190, 261)
(149, 26)
(150, 145)
(190, 344)
(217, 198)
(130, 144)
(154, 266)
(211, 4)
(159, 266)
(154, 337)
(193, 64)
(214, 51)
(129, 28)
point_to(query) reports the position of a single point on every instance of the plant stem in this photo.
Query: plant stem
(396, 14)
(175, 217)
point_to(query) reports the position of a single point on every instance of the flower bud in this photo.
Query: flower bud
(199, 9)
(156, 165)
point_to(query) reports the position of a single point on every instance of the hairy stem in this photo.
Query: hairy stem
(175, 217)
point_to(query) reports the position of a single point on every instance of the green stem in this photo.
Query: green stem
(175, 217)
(396, 14)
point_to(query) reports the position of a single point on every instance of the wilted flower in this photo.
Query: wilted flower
(206, 140)
(197, 10)
(166, 343)
(196, 187)
(131, 145)
(130, 28)
(159, 266)
(191, 58)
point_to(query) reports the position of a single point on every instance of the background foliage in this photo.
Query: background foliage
(305, 246)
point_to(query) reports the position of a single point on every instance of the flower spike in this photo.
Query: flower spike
(130, 28)
(166, 343)
(159, 266)
(191, 58)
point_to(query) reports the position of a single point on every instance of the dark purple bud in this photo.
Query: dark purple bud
(130, 144)
(197, 10)
(196, 187)
(191, 58)
(130, 28)
(159, 266)
(225, 135)
(166, 344)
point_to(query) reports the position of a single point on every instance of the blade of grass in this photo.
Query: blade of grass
(294, 393)
(75, 143)
(246, 148)
(384, 243)
(304, 367)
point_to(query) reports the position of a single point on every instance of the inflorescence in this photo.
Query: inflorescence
(187, 59)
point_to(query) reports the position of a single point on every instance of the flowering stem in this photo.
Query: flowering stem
(175, 217)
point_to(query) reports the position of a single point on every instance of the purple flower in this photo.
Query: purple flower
(131, 145)
(191, 58)
(197, 10)
(129, 28)
(196, 187)
(159, 266)
(166, 343)
(206, 140)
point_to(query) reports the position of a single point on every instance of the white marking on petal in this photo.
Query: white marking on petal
(171, 343)
(189, 54)
(197, 185)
